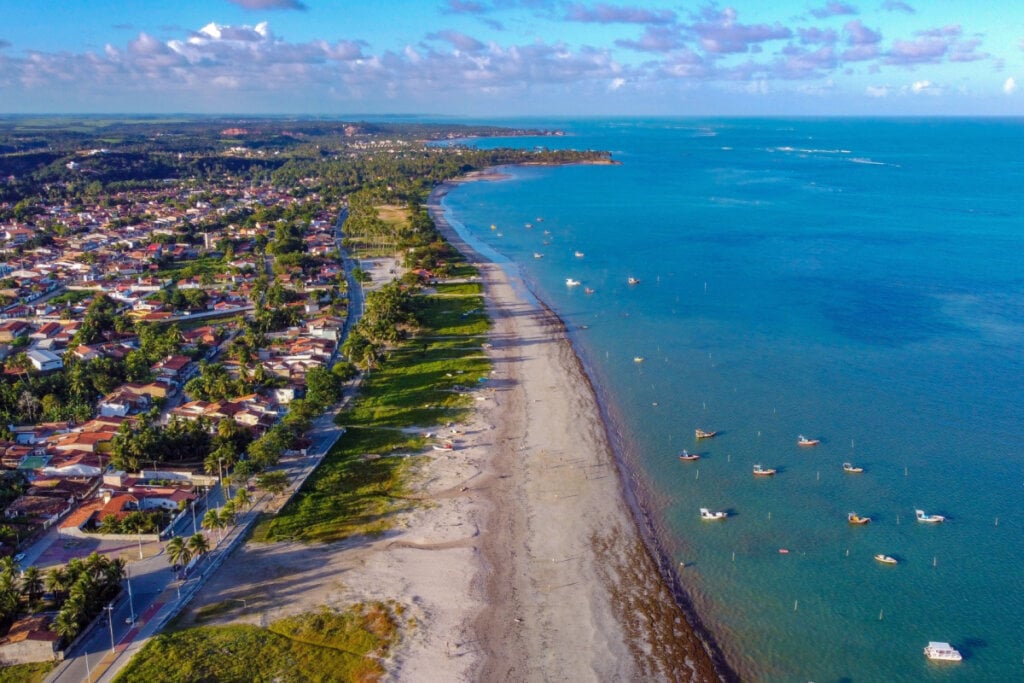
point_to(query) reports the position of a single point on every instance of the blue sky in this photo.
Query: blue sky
(496, 58)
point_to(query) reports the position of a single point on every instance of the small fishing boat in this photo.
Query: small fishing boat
(762, 472)
(847, 467)
(854, 518)
(579, 254)
(689, 457)
(638, 359)
(588, 290)
(885, 559)
(537, 254)
(804, 441)
(632, 281)
(928, 519)
(569, 282)
(701, 434)
(783, 551)
(943, 652)
(539, 219)
(529, 225)
(709, 516)
(446, 446)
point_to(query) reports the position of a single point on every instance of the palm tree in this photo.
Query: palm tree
(227, 514)
(242, 499)
(57, 582)
(32, 583)
(198, 545)
(66, 625)
(212, 520)
(177, 552)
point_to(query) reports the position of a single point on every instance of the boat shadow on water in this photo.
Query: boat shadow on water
(968, 647)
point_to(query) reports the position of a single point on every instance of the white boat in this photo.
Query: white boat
(943, 652)
(701, 434)
(638, 359)
(886, 559)
(588, 290)
(537, 254)
(579, 254)
(804, 441)
(632, 281)
(446, 446)
(847, 467)
(762, 472)
(569, 282)
(710, 516)
(688, 457)
(928, 519)
(854, 518)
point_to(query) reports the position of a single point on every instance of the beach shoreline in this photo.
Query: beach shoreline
(637, 610)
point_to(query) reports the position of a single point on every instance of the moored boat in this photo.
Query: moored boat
(762, 472)
(638, 359)
(685, 455)
(847, 467)
(588, 290)
(537, 254)
(886, 559)
(928, 519)
(943, 652)
(446, 446)
(701, 434)
(579, 254)
(709, 516)
(569, 282)
(804, 441)
(854, 518)
(633, 281)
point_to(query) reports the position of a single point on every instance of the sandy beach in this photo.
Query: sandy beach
(525, 562)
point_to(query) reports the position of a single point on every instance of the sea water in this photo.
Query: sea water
(856, 281)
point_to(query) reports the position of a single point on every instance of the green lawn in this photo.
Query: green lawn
(26, 673)
(422, 384)
(319, 646)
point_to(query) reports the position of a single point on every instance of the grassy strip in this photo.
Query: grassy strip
(26, 673)
(422, 384)
(318, 646)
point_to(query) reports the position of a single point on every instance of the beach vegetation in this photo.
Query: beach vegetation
(26, 673)
(325, 645)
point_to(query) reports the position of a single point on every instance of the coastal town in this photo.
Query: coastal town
(175, 351)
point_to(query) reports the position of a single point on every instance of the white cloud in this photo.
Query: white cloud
(1010, 85)
(877, 91)
(924, 87)
(617, 83)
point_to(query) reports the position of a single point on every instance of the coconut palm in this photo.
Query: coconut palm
(58, 582)
(198, 545)
(32, 583)
(178, 552)
(66, 625)
(212, 520)
(242, 499)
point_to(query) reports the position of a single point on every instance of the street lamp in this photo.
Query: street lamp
(131, 600)
(110, 621)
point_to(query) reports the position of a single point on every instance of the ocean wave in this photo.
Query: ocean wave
(865, 160)
(804, 150)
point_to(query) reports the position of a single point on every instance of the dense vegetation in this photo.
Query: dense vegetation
(320, 646)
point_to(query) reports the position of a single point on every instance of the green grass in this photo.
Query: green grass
(26, 673)
(348, 494)
(319, 646)
(419, 386)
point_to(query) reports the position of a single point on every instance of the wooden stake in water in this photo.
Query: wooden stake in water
(818, 478)
(904, 471)
(847, 552)
(769, 516)
(880, 613)
(897, 520)
(997, 521)
(935, 561)
(698, 476)
(733, 555)
(795, 604)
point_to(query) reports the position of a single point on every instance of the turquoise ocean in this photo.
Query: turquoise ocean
(856, 281)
